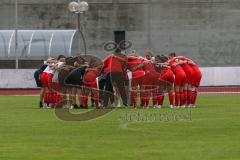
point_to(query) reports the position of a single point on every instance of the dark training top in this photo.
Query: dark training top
(38, 73)
(75, 77)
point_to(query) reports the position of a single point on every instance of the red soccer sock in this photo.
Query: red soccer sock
(51, 97)
(142, 98)
(147, 98)
(188, 101)
(194, 97)
(155, 100)
(149, 90)
(46, 98)
(177, 99)
(84, 101)
(96, 100)
(55, 97)
(185, 97)
(171, 98)
(58, 99)
(142, 102)
(160, 99)
(182, 98)
(156, 94)
(133, 98)
(147, 102)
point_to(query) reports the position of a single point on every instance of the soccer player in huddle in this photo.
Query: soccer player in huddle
(143, 77)
(194, 77)
(114, 68)
(46, 79)
(166, 79)
(150, 81)
(180, 79)
(147, 76)
(186, 93)
(54, 83)
(135, 75)
(90, 84)
(37, 77)
(74, 82)
(49, 83)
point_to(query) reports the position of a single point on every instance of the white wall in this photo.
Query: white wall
(13, 78)
(220, 76)
(212, 76)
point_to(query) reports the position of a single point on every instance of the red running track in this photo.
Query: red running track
(20, 92)
(219, 89)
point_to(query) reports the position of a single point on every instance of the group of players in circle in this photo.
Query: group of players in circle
(121, 79)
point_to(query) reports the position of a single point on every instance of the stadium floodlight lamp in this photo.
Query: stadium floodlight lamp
(78, 7)
(83, 6)
(73, 7)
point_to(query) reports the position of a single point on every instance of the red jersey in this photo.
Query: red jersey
(131, 63)
(90, 76)
(151, 75)
(185, 66)
(106, 66)
(149, 67)
(164, 70)
(115, 63)
(173, 62)
(187, 60)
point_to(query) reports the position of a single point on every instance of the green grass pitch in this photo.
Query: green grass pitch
(29, 133)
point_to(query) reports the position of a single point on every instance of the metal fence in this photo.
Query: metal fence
(37, 45)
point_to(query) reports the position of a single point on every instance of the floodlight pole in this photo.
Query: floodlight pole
(78, 22)
(78, 26)
(78, 18)
(16, 32)
(81, 33)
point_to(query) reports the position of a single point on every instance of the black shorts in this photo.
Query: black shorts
(37, 78)
(75, 77)
(126, 82)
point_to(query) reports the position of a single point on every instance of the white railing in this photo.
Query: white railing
(212, 76)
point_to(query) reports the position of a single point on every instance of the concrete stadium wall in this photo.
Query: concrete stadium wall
(220, 76)
(212, 76)
(208, 31)
(14, 78)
